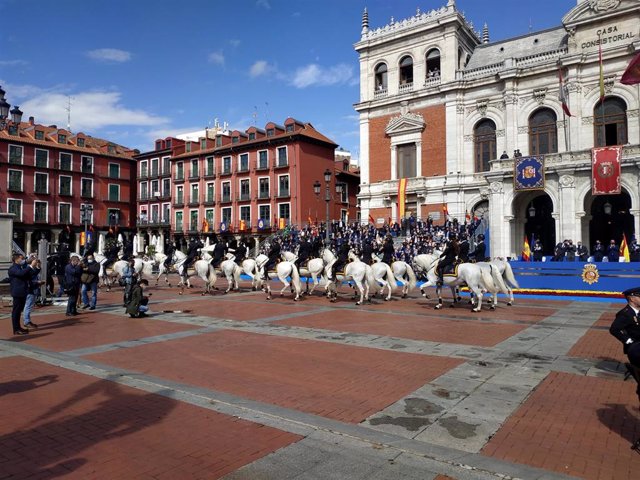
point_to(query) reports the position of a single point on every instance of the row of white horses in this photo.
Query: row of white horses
(481, 278)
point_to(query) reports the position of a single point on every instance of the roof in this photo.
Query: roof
(526, 45)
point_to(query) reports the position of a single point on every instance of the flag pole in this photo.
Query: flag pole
(601, 82)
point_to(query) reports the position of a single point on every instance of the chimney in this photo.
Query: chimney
(32, 121)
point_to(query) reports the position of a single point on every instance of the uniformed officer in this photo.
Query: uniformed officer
(464, 248)
(626, 328)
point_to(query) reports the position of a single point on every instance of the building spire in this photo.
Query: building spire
(485, 33)
(365, 21)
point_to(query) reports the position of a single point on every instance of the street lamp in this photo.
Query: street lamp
(607, 208)
(532, 210)
(86, 211)
(327, 199)
(16, 113)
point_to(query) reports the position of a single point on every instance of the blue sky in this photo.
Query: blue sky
(138, 70)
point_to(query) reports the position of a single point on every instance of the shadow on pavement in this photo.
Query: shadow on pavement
(19, 386)
(620, 419)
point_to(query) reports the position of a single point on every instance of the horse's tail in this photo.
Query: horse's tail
(413, 280)
(211, 275)
(487, 279)
(371, 279)
(497, 279)
(391, 277)
(295, 278)
(510, 277)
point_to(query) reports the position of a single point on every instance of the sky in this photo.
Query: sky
(138, 70)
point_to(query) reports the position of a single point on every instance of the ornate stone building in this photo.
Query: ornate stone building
(440, 104)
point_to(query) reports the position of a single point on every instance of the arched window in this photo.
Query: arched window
(610, 122)
(406, 70)
(433, 63)
(485, 144)
(381, 77)
(543, 132)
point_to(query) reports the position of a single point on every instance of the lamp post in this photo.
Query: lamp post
(86, 210)
(327, 199)
(16, 113)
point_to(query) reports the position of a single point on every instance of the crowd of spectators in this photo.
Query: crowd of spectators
(567, 251)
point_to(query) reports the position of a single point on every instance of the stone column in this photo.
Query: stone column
(77, 250)
(394, 162)
(418, 159)
(636, 222)
(567, 226)
(27, 242)
(499, 226)
(55, 235)
(6, 238)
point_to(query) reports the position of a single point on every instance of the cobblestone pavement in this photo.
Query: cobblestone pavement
(235, 387)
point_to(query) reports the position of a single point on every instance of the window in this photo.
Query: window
(15, 181)
(282, 157)
(166, 165)
(264, 213)
(40, 212)
(179, 224)
(263, 160)
(345, 193)
(219, 141)
(290, 128)
(226, 192)
(42, 158)
(39, 135)
(195, 173)
(235, 139)
(62, 138)
(433, 63)
(209, 215)
(193, 220)
(263, 188)
(271, 132)
(80, 142)
(168, 143)
(15, 154)
(144, 169)
(243, 162)
(86, 189)
(226, 215)
(155, 213)
(180, 195)
(166, 213)
(166, 187)
(111, 148)
(210, 198)
(86, 164)
(187, 147)
(203, 143)
(114, 170)
(543, 132)
(406, 70)
(195, 193)
(154, 167)
(245, 214)
(245, 192)
(406, 160)
(284, 211)
(64, 213)
(66, 162)
(381, 77)
(65, 186)
(113, 216)
(155, 188)
(15, 206)
(211, 166)
(144, 190)
(41, 183)
(180, 171)
(226, 165)
(610, 122)
(114, 192)
(485, 144)
(252, 136)
(283, 186)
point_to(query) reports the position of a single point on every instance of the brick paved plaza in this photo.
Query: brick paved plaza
(236, 387)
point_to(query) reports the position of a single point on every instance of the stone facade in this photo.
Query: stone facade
(438, 109)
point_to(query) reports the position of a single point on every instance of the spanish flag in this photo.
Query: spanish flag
(371, 219)
(82, 239)
(243, 225)
(310, 221)
(402, 193)
(526, 250)
(445, 210)
(624, 248)
(205, 226)
(282, 223)
(631, 75)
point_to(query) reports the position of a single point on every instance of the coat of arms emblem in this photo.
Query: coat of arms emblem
(590, 274)
(605, 169)
(529, 172)
(604, 5)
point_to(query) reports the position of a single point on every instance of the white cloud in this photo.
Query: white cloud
(259, 68)
(316, 75)
(217, 57)
(234, 42)
(263, 4)
(13, 63)
(111, 55)
(89, 110)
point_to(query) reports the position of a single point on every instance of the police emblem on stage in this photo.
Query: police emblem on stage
(528, 173)
(590, 274)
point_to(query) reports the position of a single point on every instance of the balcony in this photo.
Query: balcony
(153, 221)
(282, 163)
(179, 177)
(243, 169)
(225, 198)
(86, 194)
(225, 172)
(194, 201)
(244, 197)
(178, 202)
(264, 195)
(209, 200)
(41, 190)
(143, 175)
(283, 193)
(143, 197)
(380, 92)
(154, 174)
(40, 218)
(210, 174)
(405, 88)
(194, 176)
(262, 166)
(14, 187)
(65, 192)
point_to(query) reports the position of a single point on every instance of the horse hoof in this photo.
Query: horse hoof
(475, 309)
(295, 299)
(203, 294)
(437, 307)
(404, 295)
(253, 289)
(492, 307)
(509, 304)
(452, 306)
(459, 298)
(179, 293)
(357, 303)
(386, 299)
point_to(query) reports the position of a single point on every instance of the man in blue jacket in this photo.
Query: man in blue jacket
(20, 275)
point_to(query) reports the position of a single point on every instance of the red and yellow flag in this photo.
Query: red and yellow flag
(243, 225)
(445, 210)
(205, 226)
(526, 250)
(402, 193)
(282, 223)
(631, 75)
(624, 249)
(371, 219)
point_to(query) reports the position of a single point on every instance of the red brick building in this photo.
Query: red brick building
(249, 182)
(49, 172)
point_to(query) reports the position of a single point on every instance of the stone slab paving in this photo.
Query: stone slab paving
(433, 388)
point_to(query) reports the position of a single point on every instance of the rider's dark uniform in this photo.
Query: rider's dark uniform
(192, 252)
(367, 252)
(304, 252)
(316, 246)
(448, 257)
(112, 255)
(240, 253)
(169, 250)
(479, 253)
(219, 251)
(274, 254)
(388, 251)
(341, 262)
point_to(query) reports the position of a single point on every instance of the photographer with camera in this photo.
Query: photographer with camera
(89, 279)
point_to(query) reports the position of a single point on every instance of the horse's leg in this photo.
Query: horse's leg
(478, 291)
(286, 284)
(267, 287)
(453, 296)
(360, 290)
(439, 297)
(511, 300)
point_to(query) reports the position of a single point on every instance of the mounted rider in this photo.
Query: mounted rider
(194, 245)
(112, 254)
(304, 251)
(464, 248)
(388, 251)
(342, 260)
(367, 252)
(219, 252)
(274, 255)
(241, 252)
(448, 257)
(169, 250)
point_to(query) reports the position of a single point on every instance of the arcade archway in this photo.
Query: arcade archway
(609, 218)
(534, 219)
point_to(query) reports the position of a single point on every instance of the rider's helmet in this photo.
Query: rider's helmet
(480, 237)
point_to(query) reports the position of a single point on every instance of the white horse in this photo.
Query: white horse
(357, 271)
(384, 277)
(503, 278)
(404, 274)
(228, 267)
(143, 268)
(159, 259)
(201, 268)
(283, 270)
(250, 268)
(313, 270)
(476, 278)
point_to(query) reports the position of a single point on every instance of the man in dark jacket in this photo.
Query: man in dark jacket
(464, 248)
(72, 274)
(274, 255)
(169, 250)
(448, 257)
(558, 252)
(91, 273)
(241, 252)
(20, 275)
(388, 251)
(570, 251)
(219, 251)
(613, 252)
(479, 253)
(582, 252)
(192, 252)
(341, 262)
(626, 328)
(598, 251)
(537, 251)
(367, 252)
(304, 252)
(137, 306)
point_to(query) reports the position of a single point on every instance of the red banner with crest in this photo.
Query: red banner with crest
(605, 170)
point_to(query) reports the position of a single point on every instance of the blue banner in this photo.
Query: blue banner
(260, 224)
(223, 227)
(528, 173)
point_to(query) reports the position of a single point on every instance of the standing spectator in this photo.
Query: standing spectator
(558, 252)
(72, 274)
(128, 277)
(137, 306)
(34, 293)
(20, 275)
(537, 251)
(90, 275)
(634, 250)
(613, 252)
(582, 252)
(479, 253)
(570, 251)
(464, 248)
(598, 251)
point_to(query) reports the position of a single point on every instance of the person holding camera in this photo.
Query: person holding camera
(138, 305)
(34, 292)
(20, 275)
(72, 274)
(129, 279)
(89, 278)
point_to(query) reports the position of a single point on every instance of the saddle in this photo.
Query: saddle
(451, 270)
